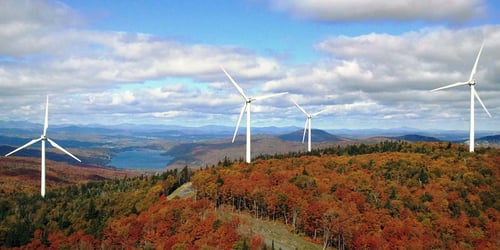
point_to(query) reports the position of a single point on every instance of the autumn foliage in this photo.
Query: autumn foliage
(390, 195)
(178, 224)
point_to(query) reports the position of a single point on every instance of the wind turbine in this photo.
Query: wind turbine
(44, 138)
(471, 82)
(308, 124)
(247, 107)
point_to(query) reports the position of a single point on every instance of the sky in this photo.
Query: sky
(369, 63)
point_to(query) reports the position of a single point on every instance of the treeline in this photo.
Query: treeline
(382, 147)
(84, 209)
(386, 195)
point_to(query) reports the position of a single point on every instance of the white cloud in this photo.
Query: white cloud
(166, 114)
(44, 50)
(397, 71)
(108, 58)
(27, 26)
(359, 10)
(113, 77)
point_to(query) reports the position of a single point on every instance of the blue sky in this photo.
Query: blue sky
(370, 63)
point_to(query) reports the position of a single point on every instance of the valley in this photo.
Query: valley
(198, 147)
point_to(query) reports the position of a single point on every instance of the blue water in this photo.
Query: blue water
(140, 159)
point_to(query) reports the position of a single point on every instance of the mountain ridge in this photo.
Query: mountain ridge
(317, 135)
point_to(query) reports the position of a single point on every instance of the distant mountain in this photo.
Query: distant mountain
(415, 138)
(490, 139)
(370, 132)
(273, 130)
(17, 142)
(189, 133)
(317, 136)
(203, 145)
(19, 124)
(138, 131)
(441, 135)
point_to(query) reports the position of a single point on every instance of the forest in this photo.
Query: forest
(389, 195)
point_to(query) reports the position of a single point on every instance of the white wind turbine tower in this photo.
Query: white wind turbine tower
(471, 82)
(308, 124)
(247, 107)
(44, 138)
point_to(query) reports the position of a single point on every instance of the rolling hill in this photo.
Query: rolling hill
(417, 138)
(201, 146)
(22, 174)
(489, 141)
(317, 136)
(207, 153)
(391, 194)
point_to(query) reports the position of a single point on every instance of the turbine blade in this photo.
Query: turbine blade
(451, 86)
(239, 121)
(25, 145)
(55, 145)
(473, 72)
(317, 113)
(482, 104)
(269, 96)
(235, 84)
(46, 120)
(301, 109)
(305, 129)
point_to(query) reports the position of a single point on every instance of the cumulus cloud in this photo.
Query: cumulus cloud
(366, 10)
(419, 60)
(27, 25)
(116, 77)
(108, 58)
(45, 48)
(397, 71)
(413, 60)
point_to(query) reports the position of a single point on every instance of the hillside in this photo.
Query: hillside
(417, 138)
(317, 136)
(22, 174)
(385, 195)
(274, 233)
(388, 195)
(489, 141)
(200, 146)
(208, 153)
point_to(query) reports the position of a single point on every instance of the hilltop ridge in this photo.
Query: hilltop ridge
(392, 193)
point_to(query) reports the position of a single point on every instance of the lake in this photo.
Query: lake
(140, 159)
